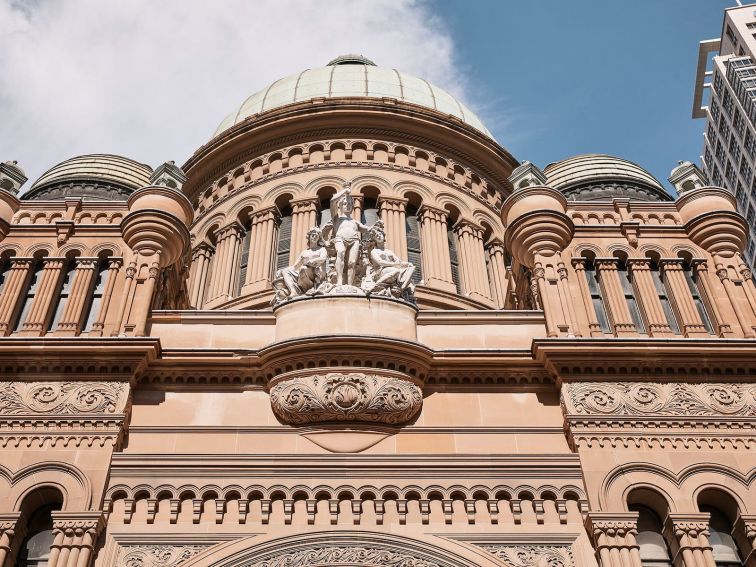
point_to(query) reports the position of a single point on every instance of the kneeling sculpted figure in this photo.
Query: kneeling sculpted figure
(306, 274)
(390, 274)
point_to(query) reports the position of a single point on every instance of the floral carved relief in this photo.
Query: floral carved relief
(351, 555)
(351, 396)
(157, 555)
(532, 555)
(18, 398)
(660, 399)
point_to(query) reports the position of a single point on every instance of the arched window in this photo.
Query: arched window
(451, 237)
(92, 310)
(629, 292)
(723, 546)
(691, 276)
(370, 213)
(284, 239)
(414, 247)
(597, 298)
(69, 271)
(6, 261)
(653, 547)
(325, 212)
(244, 258)
(661, 292)
(29, 294)
(35, 548)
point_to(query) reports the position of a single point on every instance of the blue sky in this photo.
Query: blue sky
(557, 78)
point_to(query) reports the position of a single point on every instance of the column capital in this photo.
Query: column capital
(8, 521)
(304, 205)
(671, 263)
(611, 524)
(398, 204)
(263, 215)
(21, 262)
(53, 262)
(495, 245)
(87, 263)
(606, 263)
(432, 213)
(691, 525)
(203, 246)
(464, 226)
(91, 522)
(233, 228)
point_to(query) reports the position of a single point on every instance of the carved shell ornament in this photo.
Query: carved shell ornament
(354, 396)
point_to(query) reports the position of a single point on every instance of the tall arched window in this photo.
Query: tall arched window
(325, 212)
(244, 258)
(370, 213)
(35, 549)
(451, 238)
(691, 276)
(5, 268)
(629, 292)
(661, 292)
(29, 294)
(414, 247)
(653, 547)
(92, 309)
(69, 271)
(597, 298)
(723, 546)
(284, 239)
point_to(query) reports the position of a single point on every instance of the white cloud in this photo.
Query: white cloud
(151, 80)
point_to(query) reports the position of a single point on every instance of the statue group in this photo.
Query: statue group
(345, 257)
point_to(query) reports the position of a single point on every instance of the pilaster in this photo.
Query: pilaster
(10, 299)
(262, 250)
(436, 260)
(304, 214)
(38, 317)
(497, 272)
(640, 269)
(472, 261)
(619, 313)
(393, 214)
(70, 322)
(613, 535)
(75, 534)
(688, 537)
(114, 266)
(692, 326)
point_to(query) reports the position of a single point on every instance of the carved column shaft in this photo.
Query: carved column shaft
(9, 536)
(393, 215)
(262, 249)
(143, 296)
(539, 285)
(227, 265)
(39, 314)
(744, 533)
(619, 312)
(357, 206)
(497, 273)
(75, 535)
(198, 279)
(675, 278)
(724, 329)
(590, 313)
(70, 322)
(743, 320)
(20, 271)
(649, 298)
(303, 218)
(434, 241)
(565, 297)
(749, 289)
(688, 536)
(107, 295)
(472, 261)
(613, 536)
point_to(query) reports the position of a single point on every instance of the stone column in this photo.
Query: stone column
(497, 272)
(262, 249)
(619, 312)
(640, 268)
(724, 276)
(688, 536)
(15, 283)
(590, 312)
(226, 263)
(744, 534)
(198, 278)
(393, 214)
(692, 326)
(81, 288)
(147, 276)
(38, 317)
(724, 329)
(98, 326)
(304, 216)
(75, 534)
(613, 536)
(565, 297)
(472, 261)
(8, 539)
(749, 289)
(436, 259)
(357, 206)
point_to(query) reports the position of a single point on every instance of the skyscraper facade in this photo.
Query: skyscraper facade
(353, 330)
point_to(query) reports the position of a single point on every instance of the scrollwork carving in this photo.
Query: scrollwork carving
(661, 399)
(352, 555)
(346, 397)
(532, 555)
(18, 398)
(157, 555)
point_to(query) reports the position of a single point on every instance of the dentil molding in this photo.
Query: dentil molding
(375, 397)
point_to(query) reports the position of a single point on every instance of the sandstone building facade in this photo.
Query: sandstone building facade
(354, 330)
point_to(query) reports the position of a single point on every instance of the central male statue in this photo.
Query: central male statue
(345, 234)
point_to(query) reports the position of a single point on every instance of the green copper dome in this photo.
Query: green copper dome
(352, 76)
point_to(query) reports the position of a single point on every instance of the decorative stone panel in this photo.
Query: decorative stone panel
(22, 398)
(532, 555)
(157, 555)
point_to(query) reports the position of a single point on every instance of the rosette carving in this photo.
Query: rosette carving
(18, 398)
(353, 396)
(661, 399)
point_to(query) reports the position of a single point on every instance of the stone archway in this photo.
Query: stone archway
(340, 549)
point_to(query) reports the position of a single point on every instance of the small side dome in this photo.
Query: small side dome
(599, 177)
(100, 177)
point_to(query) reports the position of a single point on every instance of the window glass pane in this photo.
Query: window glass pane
(414, 250)
(452, 240)
(284, 239)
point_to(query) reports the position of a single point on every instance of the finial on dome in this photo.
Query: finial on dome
(351, 59)
(686, 176)
(12, 177)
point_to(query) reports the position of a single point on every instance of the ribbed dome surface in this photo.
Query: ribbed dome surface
(600, 176)
(108, 167)
(352, 76)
